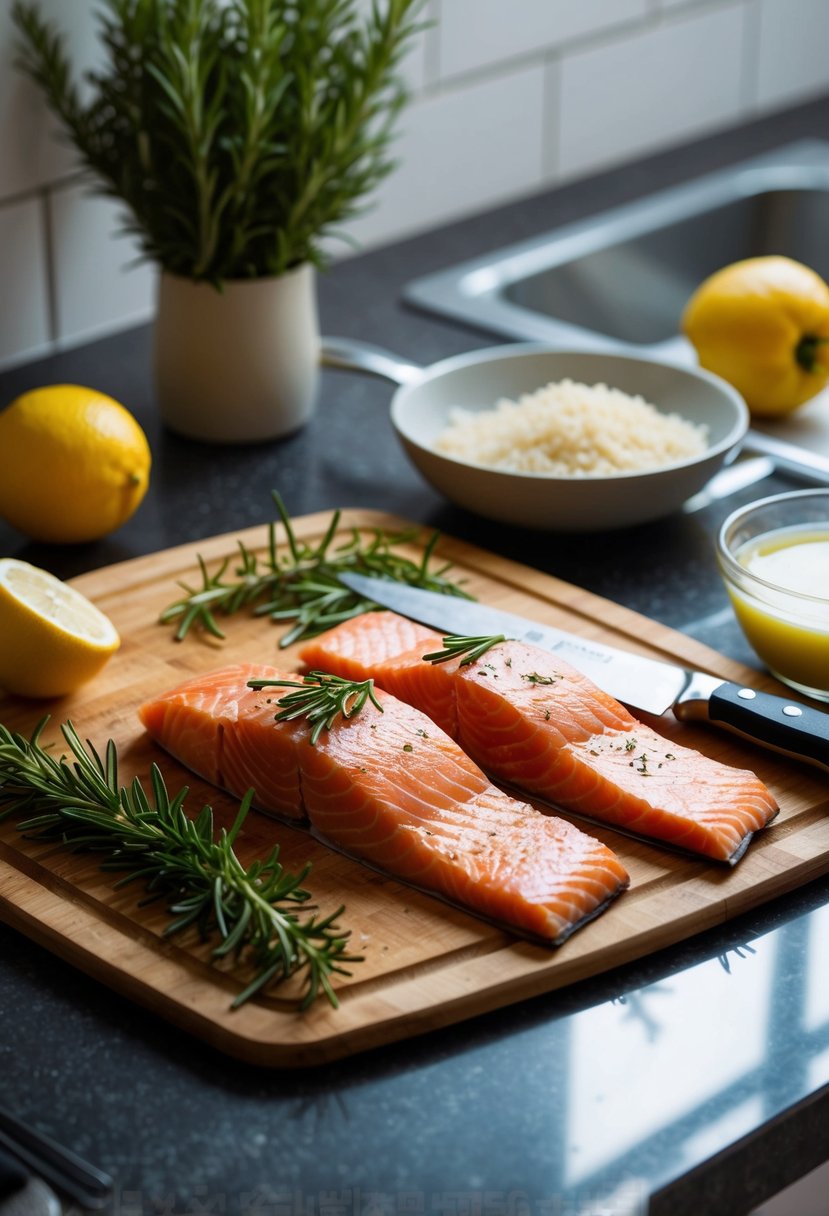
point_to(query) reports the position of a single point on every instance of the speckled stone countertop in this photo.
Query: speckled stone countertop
(692, 1081)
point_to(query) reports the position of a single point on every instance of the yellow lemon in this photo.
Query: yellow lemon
(763, 325)
(74, 464)
(52, 639)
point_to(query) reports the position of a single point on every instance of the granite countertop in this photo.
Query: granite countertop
(694, 1080)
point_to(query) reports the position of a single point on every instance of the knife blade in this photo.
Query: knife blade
(650, 685)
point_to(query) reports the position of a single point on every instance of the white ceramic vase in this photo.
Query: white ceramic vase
(240, 365)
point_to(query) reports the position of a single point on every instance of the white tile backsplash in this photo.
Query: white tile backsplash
(479, 33)
(459, 151)
(793, 52)
(507, 96)
(609, 110)
(24, 303)
(33, 152)
(97, 285)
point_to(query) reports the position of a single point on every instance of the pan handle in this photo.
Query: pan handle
(351, 356)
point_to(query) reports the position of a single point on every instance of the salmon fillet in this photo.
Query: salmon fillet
(528, 718)
(391, 788)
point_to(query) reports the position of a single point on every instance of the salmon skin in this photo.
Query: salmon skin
(390, 788)
(530, 719)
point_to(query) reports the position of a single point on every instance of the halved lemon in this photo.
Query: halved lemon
(52, 638)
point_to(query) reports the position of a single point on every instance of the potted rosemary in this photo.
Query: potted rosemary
(240, 135)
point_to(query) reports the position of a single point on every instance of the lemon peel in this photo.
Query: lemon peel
(52, 638)
(763, 325)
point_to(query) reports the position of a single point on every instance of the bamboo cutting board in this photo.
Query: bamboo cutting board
(426, 964)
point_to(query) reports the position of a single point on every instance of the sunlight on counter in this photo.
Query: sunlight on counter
(683, 1079)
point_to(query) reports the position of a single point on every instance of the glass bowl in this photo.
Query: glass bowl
(774, 558)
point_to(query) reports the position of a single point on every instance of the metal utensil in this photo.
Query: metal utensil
(60, 1167)
(646, 684)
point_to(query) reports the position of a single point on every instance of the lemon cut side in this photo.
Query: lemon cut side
(52, 639)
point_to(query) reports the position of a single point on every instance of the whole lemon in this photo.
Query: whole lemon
(74, 464)
(52, 638)
(763, 325)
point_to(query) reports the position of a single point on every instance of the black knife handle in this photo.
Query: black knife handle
(790, 727)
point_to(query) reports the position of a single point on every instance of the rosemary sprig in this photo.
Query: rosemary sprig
(302, 584)
(321, 698)
(467, 649)
(80, 803)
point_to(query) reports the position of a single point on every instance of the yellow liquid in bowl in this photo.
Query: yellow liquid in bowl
(788, 623)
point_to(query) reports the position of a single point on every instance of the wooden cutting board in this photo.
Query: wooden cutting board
(425, 964)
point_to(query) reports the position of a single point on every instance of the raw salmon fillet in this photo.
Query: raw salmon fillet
(392, 789)
(528, 718)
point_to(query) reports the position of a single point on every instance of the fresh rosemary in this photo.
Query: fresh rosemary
(79, 802)
(321, 698)
(302, 584)
(239, 134)
(467, 649)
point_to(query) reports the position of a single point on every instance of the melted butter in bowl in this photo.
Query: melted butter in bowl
(774, 558)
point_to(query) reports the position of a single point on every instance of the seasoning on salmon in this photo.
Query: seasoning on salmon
(530, 719)
(387, 786)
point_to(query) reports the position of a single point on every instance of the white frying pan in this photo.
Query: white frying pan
(421, 405)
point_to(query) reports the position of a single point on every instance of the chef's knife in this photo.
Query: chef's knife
(646, 684)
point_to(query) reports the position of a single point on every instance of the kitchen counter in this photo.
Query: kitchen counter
(693, 1081)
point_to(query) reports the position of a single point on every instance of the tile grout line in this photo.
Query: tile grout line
(525, 60)
(551, 119)
(750, 83)
(51, 269)
(432, 66)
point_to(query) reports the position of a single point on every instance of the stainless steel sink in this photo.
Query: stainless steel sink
(621, 279)
(624, 276)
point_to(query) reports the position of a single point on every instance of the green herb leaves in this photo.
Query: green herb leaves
(301, 585)
(239, 133)
(253, 910)
(321, 698)
(467, 649)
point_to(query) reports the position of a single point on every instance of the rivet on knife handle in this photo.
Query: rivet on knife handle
(789, 727)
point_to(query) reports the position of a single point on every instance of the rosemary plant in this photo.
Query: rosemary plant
(302, 585)
(254, 910)
(238, 133)
(321, 698)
